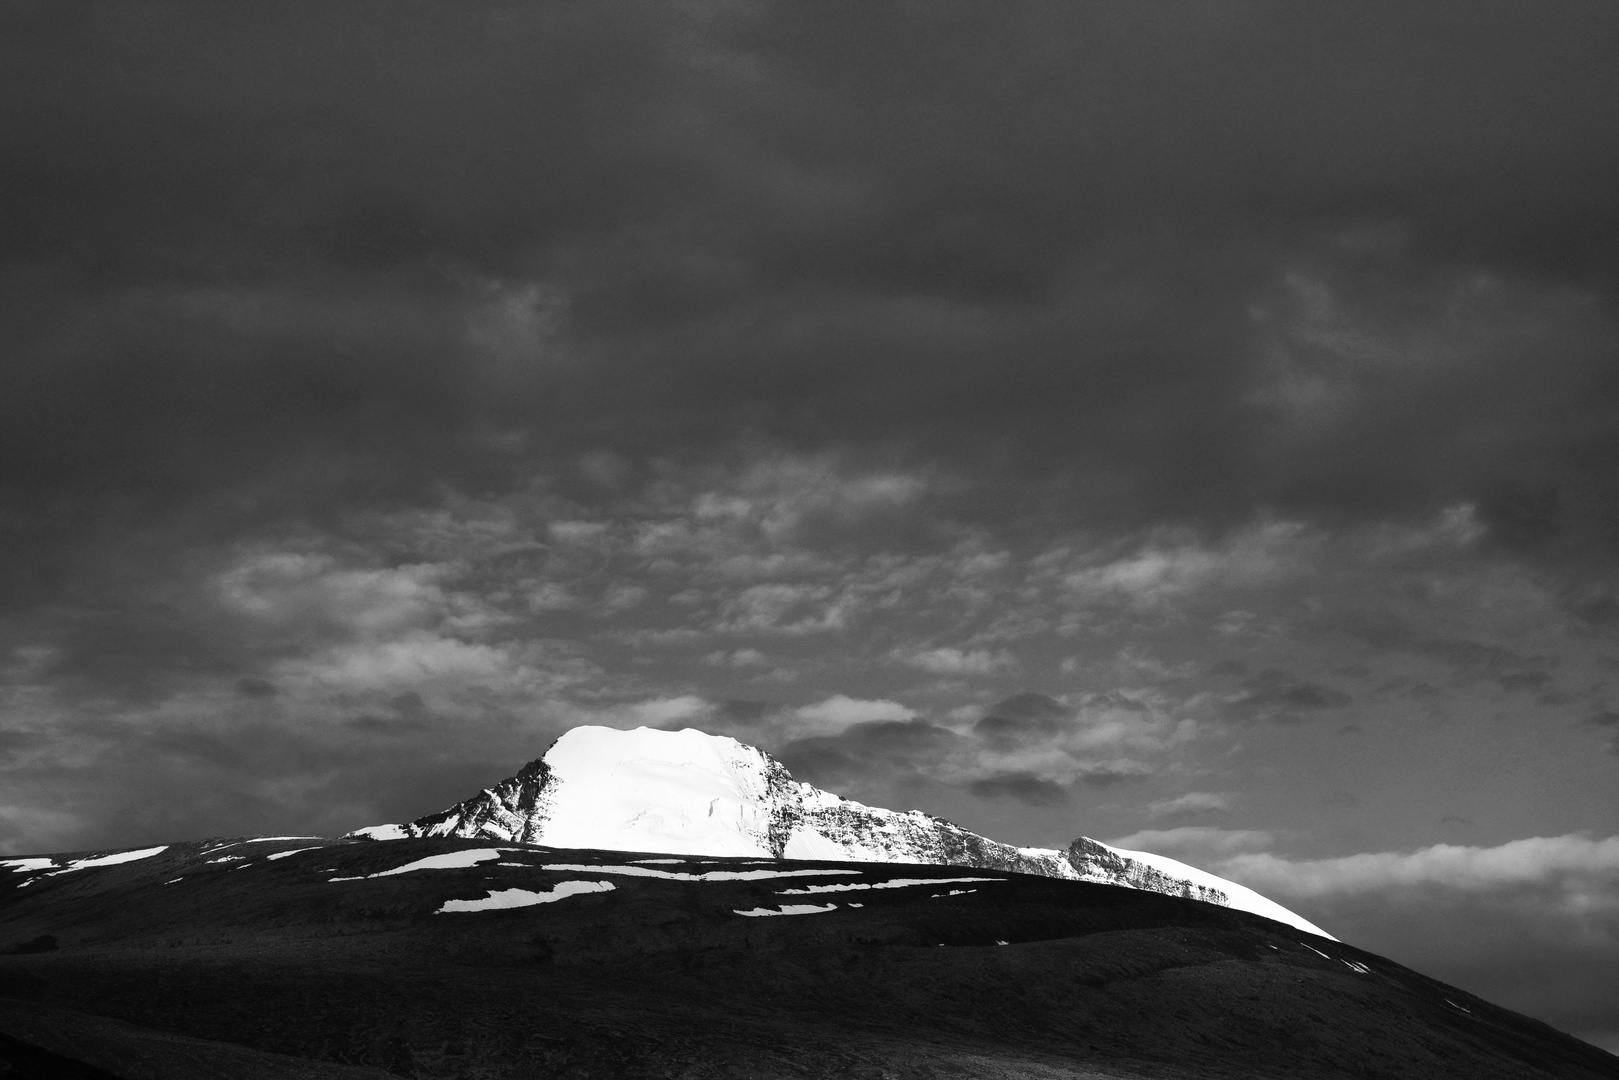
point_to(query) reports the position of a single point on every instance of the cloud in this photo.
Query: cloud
(737, 658)
(1575, 862)
(303, 593)
(1532, 924)
(840, 711)
(1021, 718)
(1607, 719)
(781, 608)
(1276, 696)
(685, 710)
(885, 750)
(1192, 804)
(1029, 748)
(1022, 786)
(1201, 845)
(1162, 570)
(948, 660)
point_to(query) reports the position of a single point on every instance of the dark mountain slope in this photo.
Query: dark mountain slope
(888, 970)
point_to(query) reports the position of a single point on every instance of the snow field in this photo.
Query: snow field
(677, 792)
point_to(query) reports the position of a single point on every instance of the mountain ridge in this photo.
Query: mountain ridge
(646, 790)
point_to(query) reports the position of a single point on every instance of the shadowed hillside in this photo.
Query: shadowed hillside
(239, 958)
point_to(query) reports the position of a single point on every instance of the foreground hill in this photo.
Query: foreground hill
(449, 957)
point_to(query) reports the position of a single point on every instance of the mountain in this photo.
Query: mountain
(442, 958)
(690, 793)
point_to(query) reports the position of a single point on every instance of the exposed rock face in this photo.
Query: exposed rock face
(690, 793)
(1098, 862)
(514, 809)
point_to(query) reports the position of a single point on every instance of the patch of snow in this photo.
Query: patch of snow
(294, 851)
(676, 862)
(788, 909)
(895, 883)
(110, 860)
(516, 898)
(998, 942)
(258, 840)
(227, 858)
(1356, 967)
(952, 892)
(679, 875)
(451, 860)
(172, 881)
(380, 832)
(25, 866)
(1317, 951)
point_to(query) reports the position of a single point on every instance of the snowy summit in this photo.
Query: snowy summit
(691, 793)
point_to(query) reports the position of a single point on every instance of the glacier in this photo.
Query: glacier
(691, 793)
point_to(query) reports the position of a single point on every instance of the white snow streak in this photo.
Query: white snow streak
(787, 909)
(294, 851)
(109, 860)
(676, 875)
(516, 898)
(453, 860)
(895, 883)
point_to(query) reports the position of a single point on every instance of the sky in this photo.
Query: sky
(1190, 425)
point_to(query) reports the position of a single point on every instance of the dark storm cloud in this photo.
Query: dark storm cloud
(887, 748)
(1022, 786)
(1280, 697)
(1608, 721)
(240, 242)
(1022, 718)
(1507, 669)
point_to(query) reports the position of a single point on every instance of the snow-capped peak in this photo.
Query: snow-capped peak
(690, 793)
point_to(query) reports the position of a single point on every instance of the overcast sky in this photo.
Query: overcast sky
(1191, 425)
